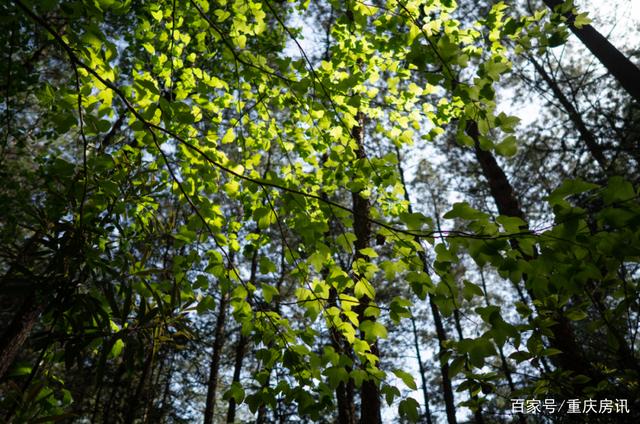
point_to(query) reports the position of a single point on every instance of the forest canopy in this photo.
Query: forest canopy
(334, 211)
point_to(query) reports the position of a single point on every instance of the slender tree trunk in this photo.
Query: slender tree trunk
(369, 392)
(477, 412)
(423, 377)
(106, 413)
(262, 409)
(441, 334)
(587, 136)
(501, 190)
(572, 357)
(447, 388)
(241, 350)
(503, 360)
(154, 383)
(25, 318)
(134, 401)
(96, 403)
(18, 331)
(505, 364)
(166, 392)
(243, 342)
(214, 367)
(618, 65)
(345, 392)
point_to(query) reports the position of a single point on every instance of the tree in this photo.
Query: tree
(211, 218)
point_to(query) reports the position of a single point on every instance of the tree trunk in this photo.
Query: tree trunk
(499, 186)
(164, 407)
(572, 357)
(477, 412)
(423, 378)
(345, 392)
(25, 318)
(243, 341)
(503, 360)
(18, 331)
(214, 367)
(586, 135)
(447, 389)
(618, 65)
(369, 392)
(241, 350)
(134, 401)
(262, 409)
(115, 387)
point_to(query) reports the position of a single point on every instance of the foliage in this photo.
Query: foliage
(164, 160)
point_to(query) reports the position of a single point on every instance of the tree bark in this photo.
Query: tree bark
(572, 357)
(447, 388)
(25, 318)
(369, 392)
(441, 334)
(423, 378)
(214, 367)
(18, 331)
(345, 392)
(262, 409)
(618, 65)
(134, 400)
(241, 350)
(503, 360)
(477, 412)
(243, 341)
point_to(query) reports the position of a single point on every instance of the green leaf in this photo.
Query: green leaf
(618, 190)
(511, 224)
(464, 211)
(581, 20)
(576, 315)
(206, 304)
(470, 290)
(508, 147)
(266, 266)
(368, 251)
(373, 330)
(416, 221)
(116, 348)
(520, 356)
(235, 392)
(406, 379)
(364, 288)
(551, 351)
(346, 240)
(408, 408)
(390, 393)
(568, 188)
(336, 375)
(221, 14)
(229, 136)
(20, 369)
(268, 292)
(444, 254)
